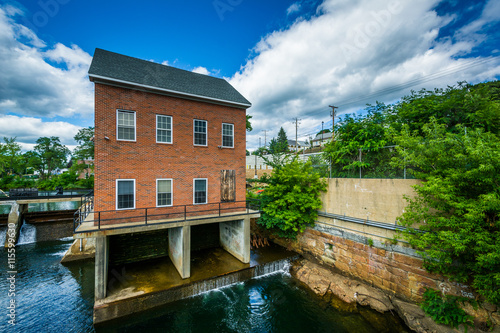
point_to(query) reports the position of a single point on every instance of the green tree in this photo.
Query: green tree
(85, 148)
(359, 144)
(476, 106)
(10, 155)
(458, 203)
(249, 125)
(292, 198)
(50, 155)
(282, 140)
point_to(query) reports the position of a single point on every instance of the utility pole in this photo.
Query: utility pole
(265, 138)
(332, 113)
(297, 122)
(321, 133)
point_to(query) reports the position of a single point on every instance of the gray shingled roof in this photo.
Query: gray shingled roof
(323, 136)
(116, 67)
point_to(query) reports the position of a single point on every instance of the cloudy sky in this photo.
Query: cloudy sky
(289, 58)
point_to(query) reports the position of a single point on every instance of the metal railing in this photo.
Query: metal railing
(86, 207)
(33, 193)
(161, 215)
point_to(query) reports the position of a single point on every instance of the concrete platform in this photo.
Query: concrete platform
(141, 286)
(88, 229)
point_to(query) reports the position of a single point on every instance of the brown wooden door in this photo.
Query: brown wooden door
(227, 185)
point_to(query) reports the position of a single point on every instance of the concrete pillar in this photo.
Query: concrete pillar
(235, 238)
(16, 219)
(101, 266)
(179, 249)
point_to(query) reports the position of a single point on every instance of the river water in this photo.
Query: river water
(51, 297)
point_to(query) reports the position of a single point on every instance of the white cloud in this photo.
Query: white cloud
(40, 81)
(201, 70)
(350, 50)
(294, 8)
(29, 129)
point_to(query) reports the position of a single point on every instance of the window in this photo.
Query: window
(125, 194)
(200, 132)
(163, 129)
(200, 191)
(125, 125)
(163, 192)
(227, 135)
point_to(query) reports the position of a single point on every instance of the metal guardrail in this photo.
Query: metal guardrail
(367, 222)
(176, 213)
(26, 194)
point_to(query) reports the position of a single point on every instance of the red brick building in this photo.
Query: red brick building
(164, 136)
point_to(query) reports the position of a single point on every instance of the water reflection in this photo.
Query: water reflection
(56, 298)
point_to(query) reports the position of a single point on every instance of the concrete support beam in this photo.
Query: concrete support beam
(15, 218)
(101, 266)
(179, 249)
(235, 238)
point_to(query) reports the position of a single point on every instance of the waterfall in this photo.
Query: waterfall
(279, 266)
(3, 234)
(27, 235)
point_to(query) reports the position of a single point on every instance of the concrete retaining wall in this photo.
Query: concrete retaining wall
(376, 199)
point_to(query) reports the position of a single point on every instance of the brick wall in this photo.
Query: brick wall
(145, 160)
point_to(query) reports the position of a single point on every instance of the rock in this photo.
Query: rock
(322, 280)
(495, 318)
(480, 314)
(415, 318)
(489, 307)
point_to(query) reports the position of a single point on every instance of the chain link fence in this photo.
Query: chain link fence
(366, 163)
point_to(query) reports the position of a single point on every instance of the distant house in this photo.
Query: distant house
(321, 139)
(292, 144)
(86, 172)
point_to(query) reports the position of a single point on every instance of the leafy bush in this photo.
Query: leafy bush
(445, 310)
(290, 202)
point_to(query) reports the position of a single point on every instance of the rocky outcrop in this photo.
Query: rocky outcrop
(337, 289)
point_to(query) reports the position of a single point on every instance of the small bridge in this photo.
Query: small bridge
(19, 199)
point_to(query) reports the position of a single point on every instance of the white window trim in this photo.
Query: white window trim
(171, 129)
(135, 125)
(171, 192)
(222, 135)
(206, 191)
(206, 134)
(116, 197)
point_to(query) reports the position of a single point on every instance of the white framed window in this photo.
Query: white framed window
(163, 129)
(163, 192)
(200, 186)
(200, 132)
(125, 194)
(125, 125)
(227, 135)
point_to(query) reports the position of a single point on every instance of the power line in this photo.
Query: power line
(412, 83)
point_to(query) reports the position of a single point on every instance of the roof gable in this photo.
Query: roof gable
(110, 67)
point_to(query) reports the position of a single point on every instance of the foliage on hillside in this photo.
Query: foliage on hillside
(458, 204)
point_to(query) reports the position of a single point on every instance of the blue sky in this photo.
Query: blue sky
(290, 59)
